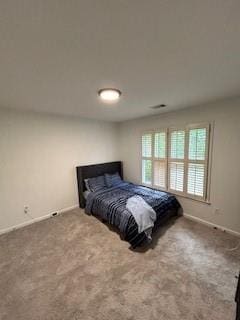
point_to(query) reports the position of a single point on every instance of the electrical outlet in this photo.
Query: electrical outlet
(26, 209)
(217, 211)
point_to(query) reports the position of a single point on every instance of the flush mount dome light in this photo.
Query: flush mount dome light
(109, 94)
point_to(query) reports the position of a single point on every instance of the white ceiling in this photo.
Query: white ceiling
(56, 54)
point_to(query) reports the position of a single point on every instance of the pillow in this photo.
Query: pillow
(86, 184)
(96, 184)
(112, 180)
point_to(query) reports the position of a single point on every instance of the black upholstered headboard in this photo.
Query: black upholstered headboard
(94, 170)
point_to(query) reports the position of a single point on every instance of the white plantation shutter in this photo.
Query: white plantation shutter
(160, 145)
(197, 159)
(147, 171)
(197, 144)
(147, 145)
(177, 160)
(147, 158)
(177, 142)
(154, 159)
(160, 159)
(160, 174)
(176, 176)
(196, 179)
(176, 171)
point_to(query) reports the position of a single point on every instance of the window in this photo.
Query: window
(147, 158)
(177, 160)
(197, 161)
(154, 159)
(160, 159)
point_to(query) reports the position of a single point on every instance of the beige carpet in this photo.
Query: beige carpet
(74, 267)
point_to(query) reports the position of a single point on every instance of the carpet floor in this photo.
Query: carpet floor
(74, 267)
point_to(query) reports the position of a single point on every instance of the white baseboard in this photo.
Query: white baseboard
(68, 209)
(31, 221)
(210, 224)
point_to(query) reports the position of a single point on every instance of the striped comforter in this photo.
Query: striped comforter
(110, 205)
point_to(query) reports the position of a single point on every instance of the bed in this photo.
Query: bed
(109, 204)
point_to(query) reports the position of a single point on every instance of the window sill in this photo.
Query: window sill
(190, 198)
(207, 202)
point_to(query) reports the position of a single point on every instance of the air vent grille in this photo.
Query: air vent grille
(158, 106)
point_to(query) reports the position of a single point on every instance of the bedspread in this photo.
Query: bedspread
(110, 205)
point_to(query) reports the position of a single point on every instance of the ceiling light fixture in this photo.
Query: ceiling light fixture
(109, 94)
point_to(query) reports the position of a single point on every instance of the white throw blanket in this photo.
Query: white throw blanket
(143, 214)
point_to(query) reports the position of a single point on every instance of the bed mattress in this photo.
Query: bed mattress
(110, 205)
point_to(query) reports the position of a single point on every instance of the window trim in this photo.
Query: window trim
(147, 158)
(205, 162)
(153, 158)
(163, 160)
(171, 129)
(208, 160)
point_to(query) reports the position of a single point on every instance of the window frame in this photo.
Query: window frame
(162, 160)
(172, 129)
(207, 162)
(146, 158)
(153, 158)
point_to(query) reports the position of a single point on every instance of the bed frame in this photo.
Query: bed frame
(94, 170)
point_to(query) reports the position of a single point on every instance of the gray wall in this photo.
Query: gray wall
(225, 172)
(38, 156)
